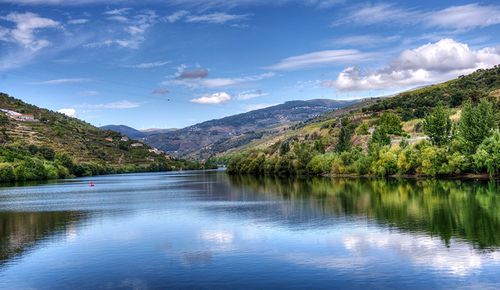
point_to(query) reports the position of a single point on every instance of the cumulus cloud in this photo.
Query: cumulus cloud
(70, 112)
(62, 81)
(318, 59)
(215, 98)
(26, 24)
(426, 64)
(247, 95)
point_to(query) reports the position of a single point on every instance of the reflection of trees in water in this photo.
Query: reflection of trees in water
(21, 230)
(460, 209)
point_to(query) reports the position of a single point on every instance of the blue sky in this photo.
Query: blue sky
(175, 63)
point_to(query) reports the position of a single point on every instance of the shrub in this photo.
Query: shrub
(487, 156)
(7, 172)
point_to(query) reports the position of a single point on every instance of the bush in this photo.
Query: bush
(487, 156)
(320, 164)
(386, 164)
(7, 173)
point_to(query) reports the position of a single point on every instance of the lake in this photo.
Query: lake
(210, 230)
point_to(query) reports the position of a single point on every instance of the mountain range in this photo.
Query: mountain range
(203, 140)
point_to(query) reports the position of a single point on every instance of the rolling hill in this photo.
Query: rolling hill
(31, 136)
(446, 129)
(203, 140)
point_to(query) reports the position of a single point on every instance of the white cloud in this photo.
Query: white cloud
(216, 18)
(78, 21)
(365, 40)
(62, 81)
(70, 112)
(134, 29)
(118, 11)
(465, 17)
(176, 16)
(426, 64)
(318, 59)
(218, 82)
(367, 14)
(212, 18)
(247, 95)
(113, 105)
(26, 24)
(454, 17)
(215, 98)
(147, 65)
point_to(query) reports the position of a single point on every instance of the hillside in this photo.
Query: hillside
(30, 134)
(134, 133)
(443, 129)
(203, 140)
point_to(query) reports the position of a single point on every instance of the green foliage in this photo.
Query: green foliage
(344, 140)
(487, 156)
(362, 129)
(391, 123)
(7, 172)
(476, 124)
(284, 148)
(438, 126)
(386, 164)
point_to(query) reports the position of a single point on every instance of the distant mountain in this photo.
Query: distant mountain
(202, 140)
(125, 130)
(134, 133)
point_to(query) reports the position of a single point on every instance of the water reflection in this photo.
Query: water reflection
(192, 230)
(21, 230)
(450, 209)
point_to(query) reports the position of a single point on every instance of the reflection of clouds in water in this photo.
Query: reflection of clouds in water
(217, 236)
(460, 260)
(71, 233)
(328, 262)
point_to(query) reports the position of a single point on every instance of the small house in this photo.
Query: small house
(137, 144)
(124, 139)
(109, 139)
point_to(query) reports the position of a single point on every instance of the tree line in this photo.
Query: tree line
(471, 145)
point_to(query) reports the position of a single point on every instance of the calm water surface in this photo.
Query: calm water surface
(208, 230)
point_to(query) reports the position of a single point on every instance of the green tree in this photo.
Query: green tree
(475, 124)
(284, 148)
(344, 142)
(487, 156)
(438, 126)
(391, 123)
(7, 172)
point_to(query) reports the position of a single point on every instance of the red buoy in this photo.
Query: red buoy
(91, 184)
